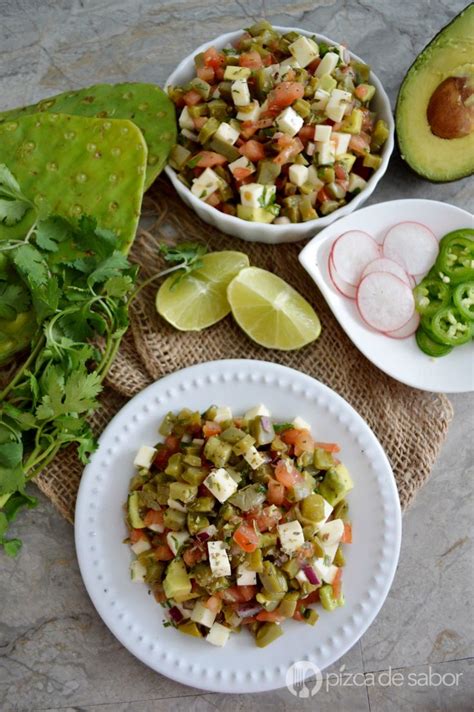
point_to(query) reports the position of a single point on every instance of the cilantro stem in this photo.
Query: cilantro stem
(151, 279)
(34, 352)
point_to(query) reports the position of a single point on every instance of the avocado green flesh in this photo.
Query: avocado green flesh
(449, 54)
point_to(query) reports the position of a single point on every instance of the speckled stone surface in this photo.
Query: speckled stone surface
(55, 654)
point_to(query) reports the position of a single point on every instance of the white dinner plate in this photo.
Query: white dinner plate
(133, 615)
(399, 358)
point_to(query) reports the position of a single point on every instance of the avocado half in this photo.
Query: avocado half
(434, 115)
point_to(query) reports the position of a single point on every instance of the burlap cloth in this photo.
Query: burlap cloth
(410, 424)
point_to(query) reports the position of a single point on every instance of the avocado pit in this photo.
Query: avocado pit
(450, 111)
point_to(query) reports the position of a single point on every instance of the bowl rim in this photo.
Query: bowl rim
(317, 223)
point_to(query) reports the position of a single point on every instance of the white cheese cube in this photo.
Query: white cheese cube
(218, 635)
(191, 135)
(158, 528)
(326, 153)
(254, 458)
(301, 577)
(256, 195)
(323, 571)
(291, 536)
(336, 112)
(137, 571)
(310, 148)
(298, 174)
(223, 412)
(144, 457)
(328, 64)
(227, 133)
(140, 546)
(174, 504)
(289, 122)
(301, 424)
(245, 576)
(342, 142)
(218, 559)
(202, 615)
(176, 540)
(233, 73)
(327, 511)
(284, 67)
(207, 183)
(304, 50)
(251, 112)
(241, 163)
(240, 92)
(186, 120)
(322, 100)
(356, 182)
(322, 133)
(331, 532)
(256, 411)
(220, 484)
(341, 95)
(329, 552)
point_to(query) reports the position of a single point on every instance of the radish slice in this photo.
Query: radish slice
(407, 329)
(383, 264)
(351, 253)
(412, 245)
(385, 302)
(346, 289)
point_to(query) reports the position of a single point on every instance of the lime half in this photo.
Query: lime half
(200, 298)
(270, 311)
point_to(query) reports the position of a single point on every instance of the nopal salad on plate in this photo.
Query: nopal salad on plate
(238, 522)
(277, 128)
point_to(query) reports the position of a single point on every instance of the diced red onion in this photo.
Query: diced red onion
(266, 423)
(310, 574)
(203, 536)
(247, 610)
(175, 614)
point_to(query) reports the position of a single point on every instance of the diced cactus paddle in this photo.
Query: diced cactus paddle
(73, 166)
(148, 106)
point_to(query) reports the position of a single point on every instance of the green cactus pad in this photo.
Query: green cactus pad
(148, 106)
(72, 165)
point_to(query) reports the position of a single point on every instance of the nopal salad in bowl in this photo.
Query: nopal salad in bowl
(239, 523)
(280, 132)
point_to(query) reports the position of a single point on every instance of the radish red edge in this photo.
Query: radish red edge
(339, 284)
(388, 276)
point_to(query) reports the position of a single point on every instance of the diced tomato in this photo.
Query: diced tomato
(312, 597)
(312, 66)
(199, 122)
(254, 150)
(173, 442)
(213, 58)
(214, 603)
(154, 516)
(301, 439)
(347, 536)
(237, 594)
(361, 91)
(268, 60)
(213, 200)
(162, 456)
(360, 144)
(246, 537)
(284, 94)
(252, 60)
(195, 554)
(322, 195)
(340, 171)
(192, 97)
(158, 593)
(243, 37)
(269, 617)
(136, 535)
(268, 517)
(337, 583)
(367, 121)
(306, 133)
(248, 620)
(211, 428)
(287, 475)
(242, 173)
(329, 447)
(206, 73)
(248, 128)
(289, 152)
(276, 492)
(163, 553)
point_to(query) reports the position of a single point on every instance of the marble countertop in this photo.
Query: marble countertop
(55, 653)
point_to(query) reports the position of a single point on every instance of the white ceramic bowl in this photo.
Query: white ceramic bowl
(274, 234)
(399, 358)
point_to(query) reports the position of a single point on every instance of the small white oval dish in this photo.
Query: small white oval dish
(133, 615)
(399, 358)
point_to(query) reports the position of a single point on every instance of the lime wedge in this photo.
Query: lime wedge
(200, 298)
(270, 311)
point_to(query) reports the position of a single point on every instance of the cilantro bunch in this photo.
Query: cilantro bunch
(65, 290)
